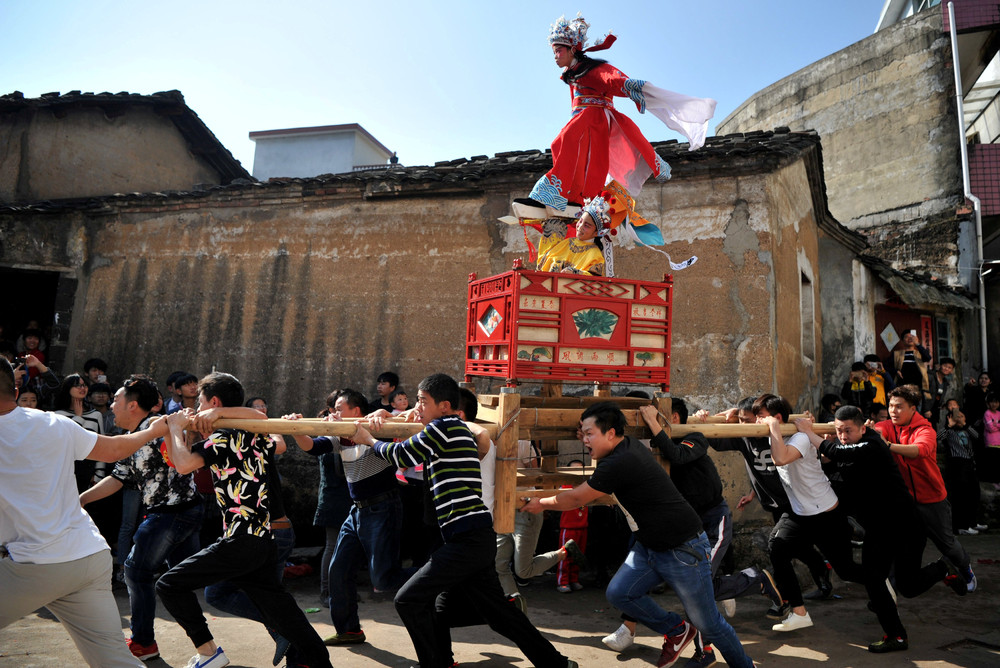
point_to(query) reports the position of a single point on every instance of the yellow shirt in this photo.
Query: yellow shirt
(580, 257)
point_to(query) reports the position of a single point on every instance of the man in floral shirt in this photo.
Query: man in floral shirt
(169, 532)
(245, 553)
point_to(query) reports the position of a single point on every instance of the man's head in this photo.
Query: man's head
(217, 390)
(956, 418)
(171, 379)
(878, 412)
(186, 387)
(602, 427)
(772, 405)
(678, 411)
(947, 366)
(8, 386)
(468, 404)
(849, 423)
(99, 395)
(437, 396)
(984, 379)
(872, 362)
(909, 340)
(830, 402)
(859, 372)
(350, 404)
(134, 400)
(903, 404)
(386, 382)
(744, 410)
(94, 368)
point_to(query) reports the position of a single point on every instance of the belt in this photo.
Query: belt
(687, 549)
(281, 523)
(378, 498)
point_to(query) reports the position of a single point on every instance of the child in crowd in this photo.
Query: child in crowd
(399, 402)
(572, 526)
(27, 398)
(991, 421)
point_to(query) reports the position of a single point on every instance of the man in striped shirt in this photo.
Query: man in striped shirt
(458, 585)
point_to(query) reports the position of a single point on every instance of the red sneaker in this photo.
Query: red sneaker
(675, 644)
(143, 652)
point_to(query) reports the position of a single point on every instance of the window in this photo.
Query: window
(808, 314)
(942, 339)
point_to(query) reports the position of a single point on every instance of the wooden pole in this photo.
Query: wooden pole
(344, 428)
(505, 494)
(550, 448)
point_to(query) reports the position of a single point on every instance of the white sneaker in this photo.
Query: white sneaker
(620, 640)
(968, 532)
(728, 606)
(217, 660)
(980, 527)
(794, 622)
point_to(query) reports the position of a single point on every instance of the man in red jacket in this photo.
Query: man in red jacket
(913, 443)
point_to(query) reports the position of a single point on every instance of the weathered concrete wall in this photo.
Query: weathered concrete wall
(87, 153)
(884, 108)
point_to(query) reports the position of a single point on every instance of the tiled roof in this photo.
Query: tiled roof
(919, 290)
(200, 139)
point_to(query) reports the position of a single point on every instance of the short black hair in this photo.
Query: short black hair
(850, 414)
(388, 377)
(225, 386)
(992, 396)
(186, 378)
(175, 375)
(774, 405)
(677, 405)
(32, 332)
(947, 360)
(871, 358)
(635, 394)
(859, 366)
(8, 386)
(99, 387)
(876, 408)
(95, 363)
(746, 404)
(911, 394)
(829, 400)
(331, 399)
(353, 398)
(607, 415)
(441, 387)
(468, 404)
(249, 402)
(142, 390)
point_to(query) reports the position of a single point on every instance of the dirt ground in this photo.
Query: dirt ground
(944, 629)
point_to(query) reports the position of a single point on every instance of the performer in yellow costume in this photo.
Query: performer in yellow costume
(583, 254)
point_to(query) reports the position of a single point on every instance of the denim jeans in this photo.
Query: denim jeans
(161, 538)
(688, 570)
(228, 597)
(131, 503)
(371, 535)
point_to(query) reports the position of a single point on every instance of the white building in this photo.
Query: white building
(307, 152)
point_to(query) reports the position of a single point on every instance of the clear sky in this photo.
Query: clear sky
(430, 80)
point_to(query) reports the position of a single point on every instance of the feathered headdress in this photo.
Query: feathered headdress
(573, 33)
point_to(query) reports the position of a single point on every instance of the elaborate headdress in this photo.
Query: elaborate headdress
(573, 33)
(600, 209)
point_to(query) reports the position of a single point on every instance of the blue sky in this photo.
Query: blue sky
(432, 81)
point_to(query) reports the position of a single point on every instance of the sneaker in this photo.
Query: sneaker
(345, 638)
(281, 647)
(673, 645)
(794, 622)
(217, 660)
(980, 527)
(778, 611)
(970, 580)
(564, 589)
(143, 652)
(968, 532)
(728, 606)
(620, 640)
(824, 588)
(957, 584)
(576, 554)
(576, 586)
(887, 644)
(518, 601)
(702, 659)
(769, 588)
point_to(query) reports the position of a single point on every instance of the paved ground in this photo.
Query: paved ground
(945, 630)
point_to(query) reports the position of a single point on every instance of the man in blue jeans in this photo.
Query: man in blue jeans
(370, 532)
(169, 532)
(670, 545)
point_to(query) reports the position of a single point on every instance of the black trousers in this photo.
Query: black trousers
(247, 562)
(458, 586)
(830, 531)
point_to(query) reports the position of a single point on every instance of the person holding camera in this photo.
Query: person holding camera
(858, 390)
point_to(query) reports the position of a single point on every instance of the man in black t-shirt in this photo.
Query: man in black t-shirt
(670, 544)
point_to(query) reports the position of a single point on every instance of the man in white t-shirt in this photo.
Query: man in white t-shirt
(815, 519)
(51, 553)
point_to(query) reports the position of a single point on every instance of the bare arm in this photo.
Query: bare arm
(108, 486)
(781, 454)
(180, 454)
(572, 498)
(911, 451)
(112, 448)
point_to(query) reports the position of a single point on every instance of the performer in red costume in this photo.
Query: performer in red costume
(598, 141)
